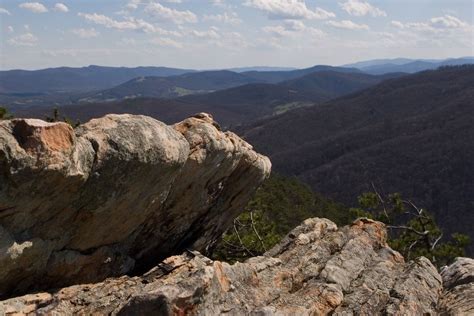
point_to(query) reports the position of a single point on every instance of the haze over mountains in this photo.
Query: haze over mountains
(233, 106)
(67, 79)
(382, 66)
(66, 85)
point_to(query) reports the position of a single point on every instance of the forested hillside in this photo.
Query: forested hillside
(412, 135)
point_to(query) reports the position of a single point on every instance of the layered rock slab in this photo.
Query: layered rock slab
(458, 294)
(317, 269)
(114, 196)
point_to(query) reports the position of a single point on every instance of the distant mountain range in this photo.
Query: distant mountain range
(383, 66)
(232, 106)
(205, 81)
(147, 86)
(36, 83)
(173, 86)
(67, 79)
(412, 135)
(260, 68)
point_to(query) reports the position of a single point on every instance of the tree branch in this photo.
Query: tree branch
(256, 232)
(240, 240)
(436, 241)
(380, 199)
(426, 232)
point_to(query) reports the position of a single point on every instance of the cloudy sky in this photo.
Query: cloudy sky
(204, 34)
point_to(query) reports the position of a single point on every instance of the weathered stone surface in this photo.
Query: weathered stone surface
(317, 269)
(458, 280)
(114, 196)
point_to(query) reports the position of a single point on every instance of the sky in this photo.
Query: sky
(212, 34)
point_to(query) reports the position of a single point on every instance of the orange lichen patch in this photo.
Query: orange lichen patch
(373, 228)
(59, 137)
(182, 127)
(221, 277)
(38, 298)
(36, 135)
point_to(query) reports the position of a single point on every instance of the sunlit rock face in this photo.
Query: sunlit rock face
(114, 196)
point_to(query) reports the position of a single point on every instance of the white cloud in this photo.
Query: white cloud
(435, 25)
(60, 7)
(158, 10)
(85, 33)
(294, 25)
(211, 33)
(291, 28)
(133, 4)
(348, 25)
(217, 2)
(278, 30)
(26, 39)
(361, 8)
(288, 9)
(397, 24)
(448, 21)
(167, 42)
(78, 52)
(322, 14)
(230, 18)
(127, 24)
(4, 11)
(10, 29)
(35, 7)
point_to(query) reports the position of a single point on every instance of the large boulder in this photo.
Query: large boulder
(114, 196)
(318, 269)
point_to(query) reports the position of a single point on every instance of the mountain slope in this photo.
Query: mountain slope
(413, 65)
(261, 68)
(412, 135)
(261, 99)
(201, 82)
(174, 86)
(325, 85)
(375, 62)
(67, 79)
(279, 76)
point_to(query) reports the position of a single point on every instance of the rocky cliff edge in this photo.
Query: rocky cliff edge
(114, 196)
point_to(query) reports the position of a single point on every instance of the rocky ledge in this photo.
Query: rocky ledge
(114, 196)
(317, 269)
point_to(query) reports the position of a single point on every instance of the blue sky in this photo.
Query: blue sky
(205, 34)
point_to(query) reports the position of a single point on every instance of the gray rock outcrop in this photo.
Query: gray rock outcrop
(114, 196)
(458, 281)
(317, 269)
